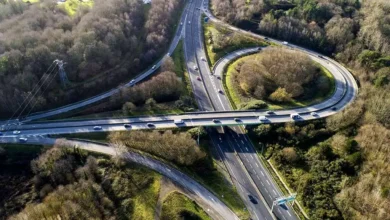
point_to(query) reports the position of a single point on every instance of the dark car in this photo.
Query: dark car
(127, 125)
(252, 199)
(150, 125)
(334, 108)
(266, 38)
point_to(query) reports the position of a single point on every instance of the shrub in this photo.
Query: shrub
(256, 104)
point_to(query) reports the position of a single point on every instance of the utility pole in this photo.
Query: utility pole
(63, 77)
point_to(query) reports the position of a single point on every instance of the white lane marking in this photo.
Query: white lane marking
(266, 190)
(262, 183)
(262, 173)
(251, 166)
(289, 214)
(242, 141)
(247, 149)
(258, 177)
(252, 156)
(274, 192)
(268, 182)
(257, 165)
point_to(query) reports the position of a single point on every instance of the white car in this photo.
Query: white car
(181, 23)
(168, 54)
(97, 128)
(263, 118)
(16, 132)
(153, 67)
(189, 22)
(132, 81)
(178, 121)
(196, 68)
(295, 116)
(285, 42)
(314, 114)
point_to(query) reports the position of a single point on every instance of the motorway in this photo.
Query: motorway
(236, 150)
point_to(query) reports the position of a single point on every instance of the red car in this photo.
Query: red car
(198, 78)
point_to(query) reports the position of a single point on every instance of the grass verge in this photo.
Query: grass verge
(232, 90)
(220, 41)
(177, 206)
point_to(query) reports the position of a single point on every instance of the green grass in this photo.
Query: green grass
(234, 41)
(180, 68)
(236, 98)
(71, 6)
(144, 206)
(177, 206)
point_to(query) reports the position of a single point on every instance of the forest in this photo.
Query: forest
(339, 165)
(101, 47)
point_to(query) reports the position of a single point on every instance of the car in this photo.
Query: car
(202, 58)
(195, 67)
(216, 120)
(263, 118)
(127, 125)
(252, 199)
(314, 114)
(266, 38)
(285, 42)
(153, 67)
(1, 134)
(259, 48)
(97, 128)
(16, 132)
(150, 125)
(168, 54)
(189, 22)
(333, 108)
(178, 121)
(320, 56)
(22, 140)
(270, 112)
(132, 81)
(198, 78)
(295, 116)
(218, 77)
(237, 120)
(181, 23)
(220, 91)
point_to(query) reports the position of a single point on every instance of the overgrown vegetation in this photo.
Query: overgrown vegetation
(337, 166)
(177, 206)
(71, 184)
(195, 161)
(220, 41)
(96, 43)
(278, 77)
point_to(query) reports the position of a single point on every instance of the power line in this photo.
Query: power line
(36, 101)
(28, 96)
(36, 91)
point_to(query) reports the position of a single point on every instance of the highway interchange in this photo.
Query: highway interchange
(234, 147)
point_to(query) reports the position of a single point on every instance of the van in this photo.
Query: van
(178, 121)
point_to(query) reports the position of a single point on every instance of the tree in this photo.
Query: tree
(280, 95)
(128, 108)
(168, 64)
(290, 154)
